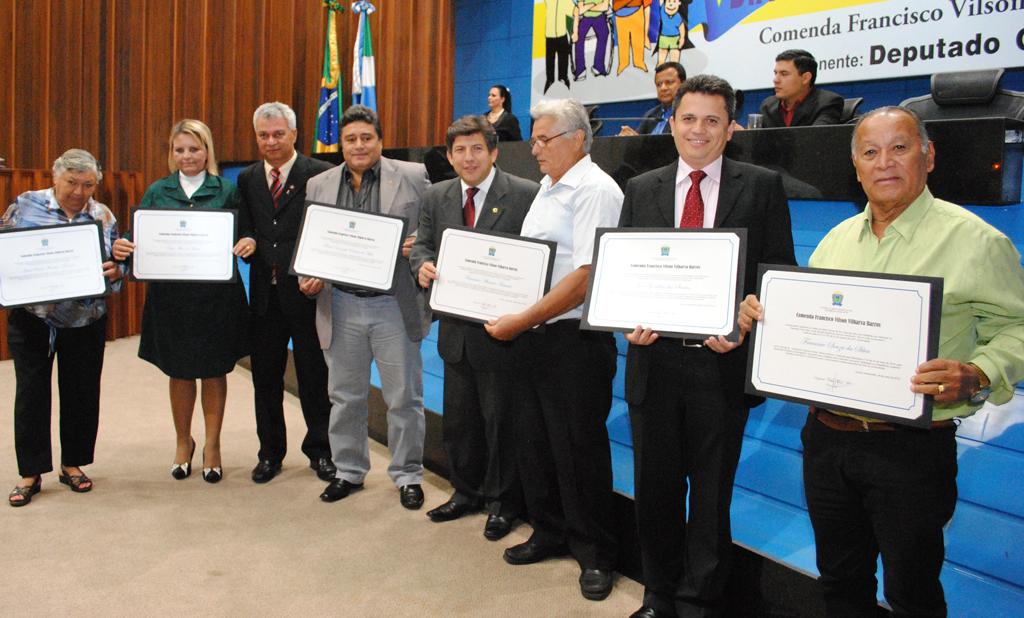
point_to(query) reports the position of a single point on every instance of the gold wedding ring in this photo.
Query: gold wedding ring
(942, 388)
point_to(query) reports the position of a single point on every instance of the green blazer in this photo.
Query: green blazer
(215, 192)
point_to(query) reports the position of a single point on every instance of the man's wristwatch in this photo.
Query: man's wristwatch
(980, 395)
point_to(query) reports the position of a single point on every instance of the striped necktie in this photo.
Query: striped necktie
(276, 186)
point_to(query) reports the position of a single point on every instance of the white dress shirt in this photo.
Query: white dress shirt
(283, 170)
(478, 199)
(568, 212)
(709, 187)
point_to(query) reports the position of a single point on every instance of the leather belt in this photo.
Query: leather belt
(357, 292)
(846, 423)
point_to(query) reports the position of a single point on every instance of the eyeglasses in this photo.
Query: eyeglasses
(543, 141)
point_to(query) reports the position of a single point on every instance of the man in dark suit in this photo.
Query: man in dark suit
(479, 389)
(273, 195)
(668, 76)
(686, 396)
(797, 102)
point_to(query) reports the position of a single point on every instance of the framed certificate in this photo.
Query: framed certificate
(845, 341)
(678, 282)
(178, 244)
(483, 275)
(51, 263)
(350, 247)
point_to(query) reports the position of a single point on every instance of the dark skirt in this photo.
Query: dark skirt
(195, 330)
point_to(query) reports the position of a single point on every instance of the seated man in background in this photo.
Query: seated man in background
(479, 380)
(668, 77)
(878, 488)
(797, 102)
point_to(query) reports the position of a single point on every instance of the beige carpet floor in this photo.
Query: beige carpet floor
(142, 543)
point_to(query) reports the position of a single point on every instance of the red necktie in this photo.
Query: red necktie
(275, 185)
(469, 211)
(693, 207)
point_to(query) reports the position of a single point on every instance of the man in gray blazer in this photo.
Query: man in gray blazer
(479, 372)
(357, 326)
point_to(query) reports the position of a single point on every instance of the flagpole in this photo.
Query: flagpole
(364, 80)
(329, 109)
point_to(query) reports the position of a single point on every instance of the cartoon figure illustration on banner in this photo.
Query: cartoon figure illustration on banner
(558, 21)
(672, 31)
(590, 16)
(632, 21)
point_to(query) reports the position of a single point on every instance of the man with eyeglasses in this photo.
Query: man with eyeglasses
(566, 374)
(273, 193)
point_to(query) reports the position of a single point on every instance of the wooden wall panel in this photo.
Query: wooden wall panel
(112, 76)
(6, 94)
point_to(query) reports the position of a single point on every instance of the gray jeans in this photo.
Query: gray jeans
(366, 330)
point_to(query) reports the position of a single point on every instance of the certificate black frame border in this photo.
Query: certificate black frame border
(549, 267)
(204, 211)
(934, 316)
(103, 258)
(398, 258)
(741, 267)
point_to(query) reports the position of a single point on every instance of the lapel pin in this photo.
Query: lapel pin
(494, 211)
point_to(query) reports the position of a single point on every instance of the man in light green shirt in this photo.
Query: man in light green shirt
(874, 487)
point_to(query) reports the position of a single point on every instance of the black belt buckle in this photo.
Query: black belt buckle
(693, 343)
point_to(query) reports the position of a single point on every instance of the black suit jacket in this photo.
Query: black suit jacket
(503, 210)
(820, 107)
(275, 231)
(750, 197)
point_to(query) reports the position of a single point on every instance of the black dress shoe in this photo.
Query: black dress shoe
(649, 612)
(595, 584)
(338, 489)
(265, 470)
(533, 551)
(324, 468)
(497, 527)
(451, 510)
(411, 496)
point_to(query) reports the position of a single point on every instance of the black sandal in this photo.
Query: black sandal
(24, 493)
(75, 481)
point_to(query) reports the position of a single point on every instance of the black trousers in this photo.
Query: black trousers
(79, 354)
(479, 440)
(562, 441)
(556, 47)
(686, 445)
(270, 334)
(880, 492)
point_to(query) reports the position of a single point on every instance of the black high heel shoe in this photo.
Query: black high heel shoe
(182, 471)
(212, 475)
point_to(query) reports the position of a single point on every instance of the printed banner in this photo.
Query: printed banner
(606, 51)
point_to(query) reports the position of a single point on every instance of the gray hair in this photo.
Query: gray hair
(77, 160)
(922, 132)
(569, 115)
(275, 109)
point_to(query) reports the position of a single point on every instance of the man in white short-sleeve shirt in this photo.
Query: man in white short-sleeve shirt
(565, 373)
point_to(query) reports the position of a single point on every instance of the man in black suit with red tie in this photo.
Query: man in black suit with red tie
(273, 193)
(686, 398)
(479, 392)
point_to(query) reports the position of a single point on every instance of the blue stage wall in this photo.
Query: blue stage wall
(984, 571)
